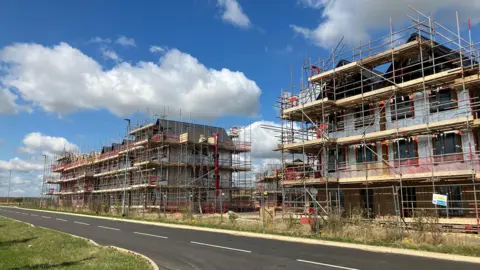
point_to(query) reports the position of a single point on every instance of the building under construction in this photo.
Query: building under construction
(165, 164)
(386, 125)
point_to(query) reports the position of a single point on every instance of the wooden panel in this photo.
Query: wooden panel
(372, 61)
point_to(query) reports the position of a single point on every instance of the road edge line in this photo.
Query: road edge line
(152, 263)
(370, 248)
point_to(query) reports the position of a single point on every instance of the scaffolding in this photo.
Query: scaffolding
(398, 112)
(160, 164)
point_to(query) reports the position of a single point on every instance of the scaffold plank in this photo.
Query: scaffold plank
(371, 61)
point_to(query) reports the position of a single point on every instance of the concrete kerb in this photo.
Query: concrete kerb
(31, 225)
(152, 263)
(378, 249)
(76, 236)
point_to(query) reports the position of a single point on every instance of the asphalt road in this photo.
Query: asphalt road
(173, 248)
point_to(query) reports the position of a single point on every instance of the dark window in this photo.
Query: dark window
(332, 160)
(364, 116)
(447, 147)
(442, 100)
(402, 107)
(449, 143)
(475, 102)
(454, 198)
(409, 196)
(367, 202)
(204, 173)
(476, 138)
(364, 154)
(338, 198)
(336, 122)
(195, 173)
(405, 149)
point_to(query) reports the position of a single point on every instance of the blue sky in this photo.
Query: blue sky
(263, 52)
(225, 60)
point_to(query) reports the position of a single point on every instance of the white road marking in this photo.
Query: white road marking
(109, 228)
(153, 235)
(329, 265)
(46, 217)
(81, 223)
(61, 219)
(208, 245)
(25, 214)
(33, 215)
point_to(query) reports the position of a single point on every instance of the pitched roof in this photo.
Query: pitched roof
(194, 130)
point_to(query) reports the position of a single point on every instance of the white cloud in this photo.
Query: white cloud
(8, 102)
(100, 40)
(264, 142)
(110, 54)
(356, 19)
(36, 142)
(157, 49)
(20, 165)
(285, 50)
(125, 41)
(61, 79)
(232, 13)
(17, 191)
(22, 182)
(311, 3)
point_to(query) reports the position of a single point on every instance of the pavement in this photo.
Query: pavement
(175, 248)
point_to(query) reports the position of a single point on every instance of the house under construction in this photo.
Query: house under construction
(165, 164)
(386, 125)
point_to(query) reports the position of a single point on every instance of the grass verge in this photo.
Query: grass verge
(25, 247)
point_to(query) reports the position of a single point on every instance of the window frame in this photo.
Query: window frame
(336, 122)
(436, 105)
(360, 149)
(341, 156)
(368, 115)
(439, 153)
(410, 147)
(405, 110)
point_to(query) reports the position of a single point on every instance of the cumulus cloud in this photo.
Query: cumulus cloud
(356, 19)
(157, 49)
(61, 79)
(20, 165)
(264, 142)
(232, 13)
(36, 142)
(125, 41)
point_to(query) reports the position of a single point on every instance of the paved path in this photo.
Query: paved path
(173, 248)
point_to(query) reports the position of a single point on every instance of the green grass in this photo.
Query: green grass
(458, 249)
(25, 247)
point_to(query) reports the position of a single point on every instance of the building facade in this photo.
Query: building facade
(401, 121)
(164, 162)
